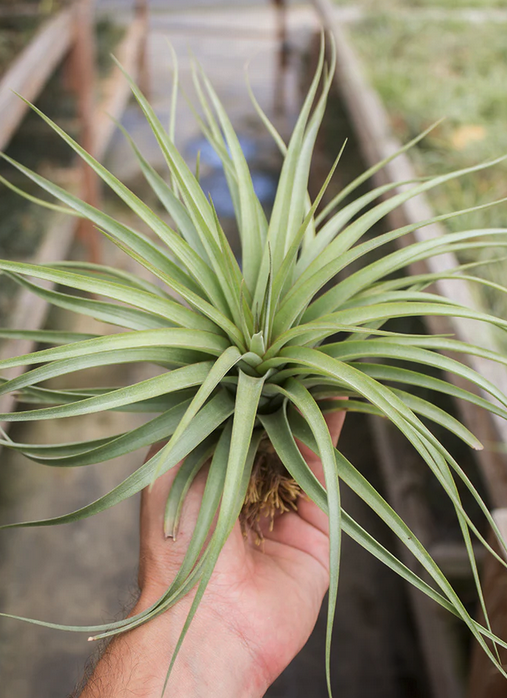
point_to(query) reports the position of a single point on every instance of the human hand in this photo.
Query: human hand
(259, 608)
(262, 602)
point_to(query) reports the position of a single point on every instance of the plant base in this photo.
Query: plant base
(271, 492)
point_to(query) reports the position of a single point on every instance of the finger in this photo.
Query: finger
(292, 531)
(334, 421)
(153, 505)
(307, 509)
(161, 557)
(153, 498)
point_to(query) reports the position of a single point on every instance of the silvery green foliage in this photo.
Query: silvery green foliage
(248, 351)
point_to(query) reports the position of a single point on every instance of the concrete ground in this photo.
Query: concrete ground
(85, 573)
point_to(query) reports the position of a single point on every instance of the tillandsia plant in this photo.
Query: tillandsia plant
(253, 354)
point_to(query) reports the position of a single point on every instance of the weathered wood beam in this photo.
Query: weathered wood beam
(30, 311)
(403, 473)
(484, 680)
(82, 79)
(115, 88)
(31, 69)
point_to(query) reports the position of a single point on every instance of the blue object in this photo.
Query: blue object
(215, 184)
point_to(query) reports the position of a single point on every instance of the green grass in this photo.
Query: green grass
(424, 71)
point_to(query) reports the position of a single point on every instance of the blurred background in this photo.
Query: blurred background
(423, 60)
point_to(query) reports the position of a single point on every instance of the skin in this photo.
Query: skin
(258, 610)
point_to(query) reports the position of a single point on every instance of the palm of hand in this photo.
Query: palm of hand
(265, 597)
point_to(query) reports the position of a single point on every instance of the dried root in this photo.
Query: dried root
(271, 492)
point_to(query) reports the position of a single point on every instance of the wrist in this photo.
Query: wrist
(213, 662)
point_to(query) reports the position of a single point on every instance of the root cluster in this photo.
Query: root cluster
(271, 492)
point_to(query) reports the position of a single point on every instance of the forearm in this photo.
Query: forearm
(211, 663)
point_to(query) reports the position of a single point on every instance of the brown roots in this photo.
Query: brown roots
(271, 491)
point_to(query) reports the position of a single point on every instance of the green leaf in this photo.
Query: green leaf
(327, 325)
(109, 273)
(413, 353)
(423, 380)
(390, 263)
(165, 338)
(46, 396)
(243, 448)
(46, 336)
(220, 321)
(155, 430)
(152, 303)
(331, 229)
(251, 232)
(278, 223)
(310, 411)
(280, 433)
(439, 416)
(197, 205)
(431, 450)
(36, 200)
(112, 313)
(220, 368)
(367, 492)
(346, 191)
(196, 266)
(286, 270)
(340, 254)
(179, 379)
(168, 199)
(205, 423)
(145, 248)
(185, 476)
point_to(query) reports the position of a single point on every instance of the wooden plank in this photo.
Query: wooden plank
(142, 14)
(403, 472)
(31, 70)
(377, 142)
(82, 79)
(115, 88)
(30, 311)
(485, 681)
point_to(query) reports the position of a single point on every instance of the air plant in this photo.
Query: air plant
(252, 354)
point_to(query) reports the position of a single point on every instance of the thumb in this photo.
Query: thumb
(334, 421)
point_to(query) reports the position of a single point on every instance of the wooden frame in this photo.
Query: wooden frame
(32, 69)
(30, 311)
